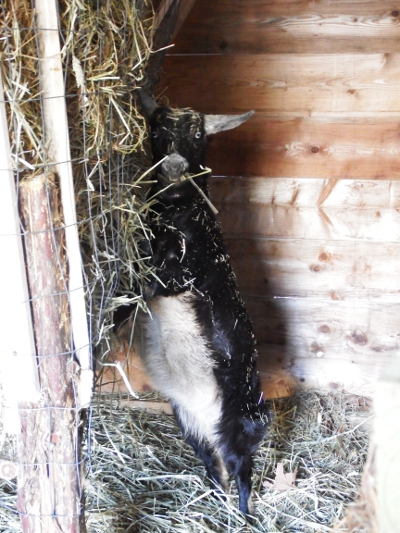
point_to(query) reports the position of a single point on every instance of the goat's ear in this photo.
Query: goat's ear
(148, 104)
(215, 123)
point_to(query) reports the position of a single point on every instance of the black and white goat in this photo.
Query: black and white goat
(198, 343)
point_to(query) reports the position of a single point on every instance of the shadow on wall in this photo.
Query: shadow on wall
(258, 283)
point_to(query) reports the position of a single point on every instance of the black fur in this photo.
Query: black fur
(189, 255)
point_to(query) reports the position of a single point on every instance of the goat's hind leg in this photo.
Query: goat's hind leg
(215, 468)
(241, 468)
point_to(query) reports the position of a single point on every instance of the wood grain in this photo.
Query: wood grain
(240, 26)
(298, 83)
(336, 270)
(307, 148)
(303, 208)
(326, 345)
(301, 328)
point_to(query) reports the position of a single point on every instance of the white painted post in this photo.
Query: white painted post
(387, 441)
(56, 133)
(18, 368)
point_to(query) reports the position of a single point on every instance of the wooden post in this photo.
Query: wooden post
(19, 376)
(170, 16)
(56, 140)
(49, 474)
(387, 442)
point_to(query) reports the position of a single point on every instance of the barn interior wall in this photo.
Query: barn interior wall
(308, 189)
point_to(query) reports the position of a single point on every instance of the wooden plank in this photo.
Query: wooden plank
(18, 368)
(307, 148)
(257, 26)
(327, 345)
(317, 374)
(387, 447)
(297, 83)
(337, 270)
(57, 139)
(361, 332)
(164, 10)
(308, 208)
(168, 19)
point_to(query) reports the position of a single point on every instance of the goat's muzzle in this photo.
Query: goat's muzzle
(174, 166)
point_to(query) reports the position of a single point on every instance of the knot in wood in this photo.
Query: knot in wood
(324, 256)
(359, 337)
(325, 329)
(317, 268)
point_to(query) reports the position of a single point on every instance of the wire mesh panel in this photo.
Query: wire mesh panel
(103, 48)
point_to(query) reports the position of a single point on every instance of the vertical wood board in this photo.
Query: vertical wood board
(56, 133)
(18, 353)
(386, 439)
(49, 467)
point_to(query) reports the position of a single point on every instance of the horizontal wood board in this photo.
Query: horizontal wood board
(329, 115)
(296, 83)
(307, 148)
(302, 26)
(316, 255)
(315, 209)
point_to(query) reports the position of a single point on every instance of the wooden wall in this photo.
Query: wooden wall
(308, 192)
(309, 188)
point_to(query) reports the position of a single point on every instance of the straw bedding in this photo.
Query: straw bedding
(143, 478)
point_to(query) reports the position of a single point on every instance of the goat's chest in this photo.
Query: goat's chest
(179, 360)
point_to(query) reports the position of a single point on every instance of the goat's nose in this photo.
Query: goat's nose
(174, 166)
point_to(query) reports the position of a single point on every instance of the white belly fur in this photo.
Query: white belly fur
(177, 359)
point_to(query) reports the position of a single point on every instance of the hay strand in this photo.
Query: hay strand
(142, 477)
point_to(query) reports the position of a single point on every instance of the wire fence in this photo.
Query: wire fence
(103, 51)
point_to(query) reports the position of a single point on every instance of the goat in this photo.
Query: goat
(198, 344)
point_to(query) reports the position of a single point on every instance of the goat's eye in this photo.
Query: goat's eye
(154, 134)
(197, 135)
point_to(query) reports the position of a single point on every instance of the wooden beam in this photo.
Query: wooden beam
(49, 467)
(182, 7)
(57, 138)
(18, 369)
(168, 19)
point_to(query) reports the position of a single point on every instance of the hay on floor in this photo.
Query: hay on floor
(143, 478)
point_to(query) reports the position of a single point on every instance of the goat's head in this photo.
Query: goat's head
(178, 137)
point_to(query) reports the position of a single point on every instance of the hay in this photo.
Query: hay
(142, 477)
(105, 48)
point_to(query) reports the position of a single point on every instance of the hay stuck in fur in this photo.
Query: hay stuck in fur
(143, 478)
